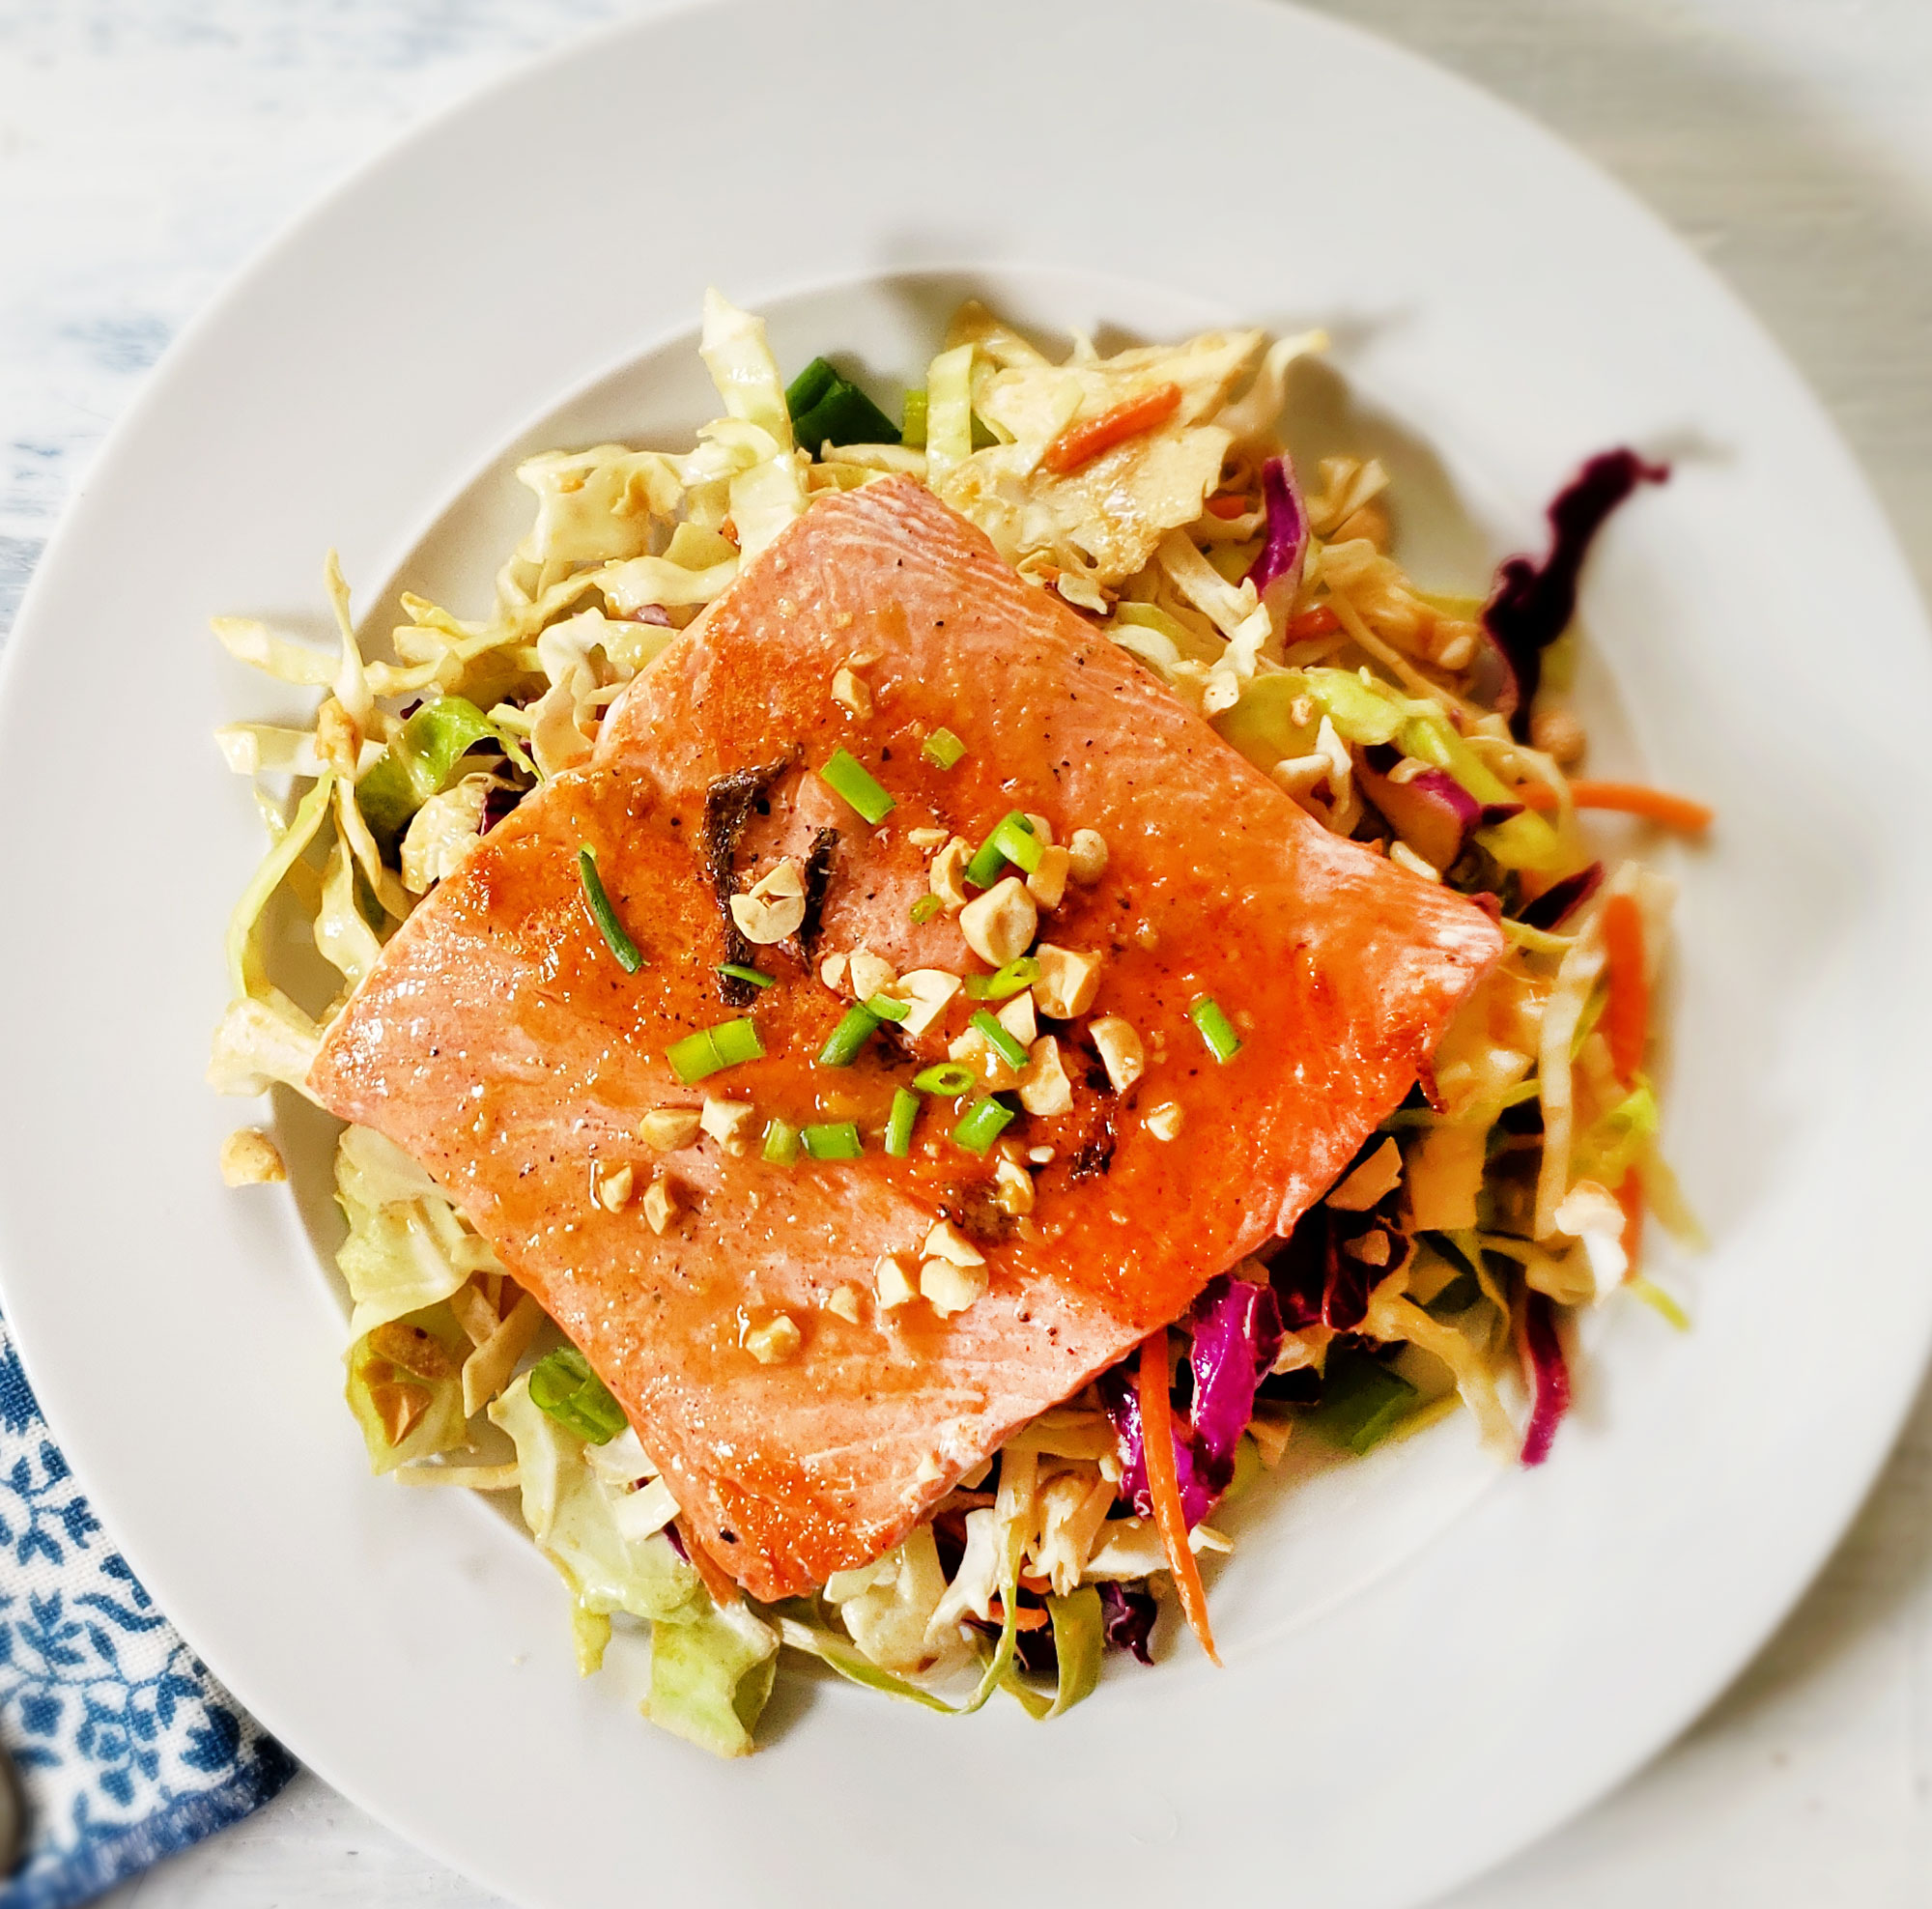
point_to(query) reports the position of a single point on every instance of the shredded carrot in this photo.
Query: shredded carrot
(1040, 1587)
(1080, 444)
(1626, 1008)
(717, 1579)
(1230, 505)
(1654, 805)
(1027, 1617)
(1164, 1486)
(1320, 622)
(1629, 1197)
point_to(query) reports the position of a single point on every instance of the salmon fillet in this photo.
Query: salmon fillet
(499, 1043)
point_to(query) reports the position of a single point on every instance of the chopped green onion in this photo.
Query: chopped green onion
(899, 1124)
(1362, 1402)
(1000, 1039)
(1003, 982)
(565, 1386)
(848, 777)
(886, 1008)
(834, 1140)
(756, 976)
(605, 915)
(857, 1027)
(1216, 1029)
(942, 748)
(912, 434)
(1015, 840)
(945, 1079)
(927, 909)
(983, 871)
(828, 409)
(712, 1048)
(782, 1144)
(982, 1124)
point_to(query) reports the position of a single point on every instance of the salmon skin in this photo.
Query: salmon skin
(499, 1043)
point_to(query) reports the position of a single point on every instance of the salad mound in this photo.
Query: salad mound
(1148, 499)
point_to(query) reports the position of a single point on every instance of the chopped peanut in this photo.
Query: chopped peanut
(665, 1129)
(661, 1206)
(892, 1282)
(1371, 1249)
(832, 971)
(949, 873)
(869, 973)
(1000, 924)
(730, 1123)
(846, 1300)
(925, 991)
(1164, 1120)
(774, 907)
(1068, 982)
(1121, 1051)
(1040, 1155)
(1086, 853)
(947, 1242)
(851, 692)
(613, 1189)
(949, 1289)
(1047, 884)
(1013, 1187)
(1044, 1088)
(1016, 1016)
(927, 838)
(774, 1341)
(250, 1158)
(1042, 829)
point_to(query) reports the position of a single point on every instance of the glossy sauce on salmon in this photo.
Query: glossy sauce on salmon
(499, 1043)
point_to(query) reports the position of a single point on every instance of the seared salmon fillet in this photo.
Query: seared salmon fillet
(501, 1043)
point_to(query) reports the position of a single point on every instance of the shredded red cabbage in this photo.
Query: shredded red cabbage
(1532, 604)
(1126, 1620)
(1237, 1328)
(1287, 541)
(1549, 1375)
(1561, 899)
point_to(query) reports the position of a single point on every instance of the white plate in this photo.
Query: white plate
(1427, 1663)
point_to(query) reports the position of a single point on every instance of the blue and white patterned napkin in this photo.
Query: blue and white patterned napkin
(128, 1750)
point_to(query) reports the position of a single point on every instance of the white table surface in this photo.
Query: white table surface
(147, 146)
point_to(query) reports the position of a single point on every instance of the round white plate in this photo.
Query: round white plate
(1427, 1663)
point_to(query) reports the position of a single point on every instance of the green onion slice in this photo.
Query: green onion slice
(605, 915)
(565, 1386)
(942, 748)
(857, 1027)
(1003, 982)
(899, 1125)
(947, 1079)
(982, 1124)
(983, 871)
(828, 409)
(1001, 1039)
(927, 909)
(834, 1140)
(738, 972)
(710, 1049)
(886, 1008)
(1015, 838)
(846, 776)
(782, 1143)
(1216, 1029)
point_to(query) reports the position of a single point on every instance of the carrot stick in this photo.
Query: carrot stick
(1230, 505)
(1627, 1009)
(1629, 1197)
(1026, 1616)
(1164, 1486)
(1079, 443)
(1654, 805)
(1320, 622)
